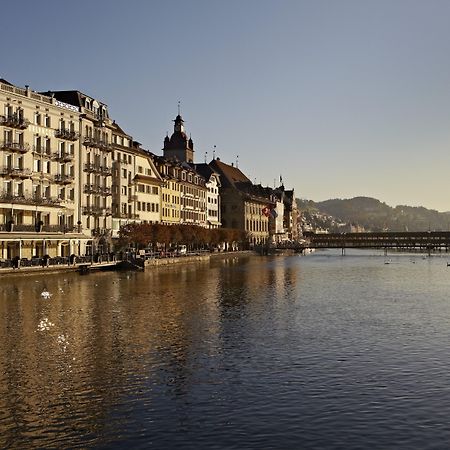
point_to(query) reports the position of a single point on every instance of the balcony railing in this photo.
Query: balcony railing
(98, 143)
(42, 150)
(64, 156)
(15, 172)
(14, 146)
(96, 168)
(63, 179)
(100, 232)
(33, 228)
(65, 133)
(14, 121)
(6, 197)
(96, 211)
(130, 216)
(96, 189)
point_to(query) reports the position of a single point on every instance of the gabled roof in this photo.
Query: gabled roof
(231, 176)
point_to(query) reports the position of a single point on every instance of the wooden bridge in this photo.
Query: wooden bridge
(424, 240)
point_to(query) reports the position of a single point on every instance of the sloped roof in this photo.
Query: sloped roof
(205, 170)
(231, 176)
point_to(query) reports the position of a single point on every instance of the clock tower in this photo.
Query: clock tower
(179, 146)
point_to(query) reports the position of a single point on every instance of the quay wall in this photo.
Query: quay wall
(180, 260)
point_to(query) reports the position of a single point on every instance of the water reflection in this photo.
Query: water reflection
(68, 362)
(240, 352)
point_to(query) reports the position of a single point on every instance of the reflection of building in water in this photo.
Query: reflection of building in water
(101, 338)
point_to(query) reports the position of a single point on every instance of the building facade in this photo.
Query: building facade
(213, 214)
(136, 183)
(39, 193)
(244, 206)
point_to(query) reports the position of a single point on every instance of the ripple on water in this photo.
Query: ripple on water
(315, 352)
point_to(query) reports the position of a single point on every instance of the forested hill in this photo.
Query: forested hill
(373, 215)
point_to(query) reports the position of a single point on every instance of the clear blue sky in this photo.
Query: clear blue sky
(341, 98)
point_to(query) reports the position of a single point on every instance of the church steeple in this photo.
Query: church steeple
(179, 146)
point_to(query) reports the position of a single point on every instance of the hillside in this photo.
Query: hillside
(372, 215)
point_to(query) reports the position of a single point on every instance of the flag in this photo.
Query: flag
(266, 211)
(274, 213)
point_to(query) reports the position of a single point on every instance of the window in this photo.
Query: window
(47, 121)
(7, 187)
(37, 118)
(37, 166)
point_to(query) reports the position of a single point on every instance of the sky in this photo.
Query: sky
(340, 98)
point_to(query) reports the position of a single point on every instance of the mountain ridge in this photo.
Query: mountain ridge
(369, 214)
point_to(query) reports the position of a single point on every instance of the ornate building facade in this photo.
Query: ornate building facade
(40, 165)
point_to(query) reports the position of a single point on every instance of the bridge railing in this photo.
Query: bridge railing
(432, 239)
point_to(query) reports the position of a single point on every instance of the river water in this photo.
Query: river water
(320, 351)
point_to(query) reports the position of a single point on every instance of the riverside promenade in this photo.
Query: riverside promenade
(57, 267)
(86, 264)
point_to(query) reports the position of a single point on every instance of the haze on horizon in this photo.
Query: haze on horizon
(341, 99)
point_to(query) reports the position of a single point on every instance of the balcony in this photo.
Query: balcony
(96, 211)
(41, 150)
(63, 179)
(7, 197)
(100, 232)
(98, 143)
(130, 216)
(96, 189)
(33, 228)
(63, 157)
(14, 121)
(15, 172)
(65, 133)
(19, 147)
(90, 189)
(96, 168)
